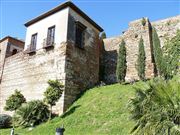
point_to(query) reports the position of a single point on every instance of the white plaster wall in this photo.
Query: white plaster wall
(59, 19)
(82, 20)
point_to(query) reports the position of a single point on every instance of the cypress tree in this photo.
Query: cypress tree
(103, 35)
(157, 52)
(121, 63)
(141, 63)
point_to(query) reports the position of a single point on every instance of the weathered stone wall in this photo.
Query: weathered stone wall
(30, 74)
(165, 28)
(82, 64)
(7, 45)
(78, 69)
(132, 36)
(3, 48)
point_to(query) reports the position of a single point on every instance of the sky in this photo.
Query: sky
(112, 15)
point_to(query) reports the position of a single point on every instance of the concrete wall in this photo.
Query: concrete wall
(59, 19)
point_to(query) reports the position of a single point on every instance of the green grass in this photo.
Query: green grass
(102, 110)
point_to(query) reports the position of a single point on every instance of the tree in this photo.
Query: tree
(103, 35)
(53, 93)
(14, 101)
(156, 108)
(141, 63)
(157, 52)
(172, 55)
(121, 63)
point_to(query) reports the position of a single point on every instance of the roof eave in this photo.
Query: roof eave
(60, 7)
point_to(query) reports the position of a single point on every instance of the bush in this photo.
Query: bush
(121, 63)
(156, 109)
(5, 121)
(32, 113)
(14, 101)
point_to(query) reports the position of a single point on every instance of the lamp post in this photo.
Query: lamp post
(60, 131)
(12, 131)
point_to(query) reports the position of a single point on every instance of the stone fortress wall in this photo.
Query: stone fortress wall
(79, 69)
(30, 74)
(166, 28)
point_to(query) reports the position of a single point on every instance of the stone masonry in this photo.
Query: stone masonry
(166, 29)
(77, 68)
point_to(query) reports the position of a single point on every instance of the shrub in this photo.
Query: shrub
(53, 93)
(14, 101)
(32, 113)
(121, 63)
(5, 121)
(141, 63)
(156, 109)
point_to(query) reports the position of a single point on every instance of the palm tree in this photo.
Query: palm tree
(156, 110)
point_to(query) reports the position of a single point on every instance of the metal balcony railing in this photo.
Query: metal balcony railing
(48, 42)
(31, 49)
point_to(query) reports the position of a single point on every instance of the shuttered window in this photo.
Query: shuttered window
(80, 28)
(50, 35)
(33, 42)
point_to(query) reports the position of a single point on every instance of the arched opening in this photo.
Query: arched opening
(14, 51)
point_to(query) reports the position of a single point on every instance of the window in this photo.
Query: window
(14, 51)
(79, 42)
(33, 42)
(50, 35)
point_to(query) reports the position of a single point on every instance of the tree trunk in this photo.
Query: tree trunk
(50, 115)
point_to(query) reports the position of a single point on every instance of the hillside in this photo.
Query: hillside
(101, 110)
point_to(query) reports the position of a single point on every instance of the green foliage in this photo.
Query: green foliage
(32, 113)
(14, 101)
(99, 111)
(103, 35)
(158, 54)
(121, 63)
(53, 93)
(156, 109)
(5, 121)
(172, 55)
(141, 63)
(143, 21)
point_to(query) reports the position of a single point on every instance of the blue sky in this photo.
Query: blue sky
(112, 15)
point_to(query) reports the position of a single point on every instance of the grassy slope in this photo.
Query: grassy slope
(102, 110)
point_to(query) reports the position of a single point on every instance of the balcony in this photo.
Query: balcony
(48, 43)
(31, 49)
